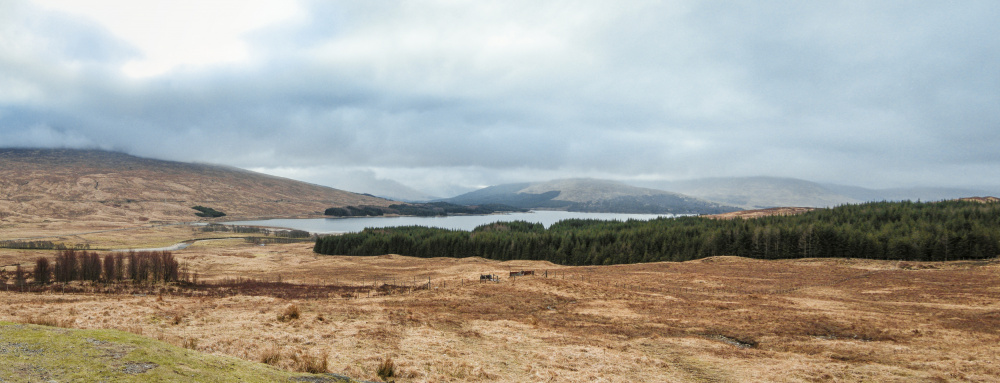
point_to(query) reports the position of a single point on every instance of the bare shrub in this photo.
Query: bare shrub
(19, 278)
(270, 355)
(387, 370)
(290, 313)
(313, 364)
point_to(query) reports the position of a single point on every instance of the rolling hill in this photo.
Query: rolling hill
(589, 195)
(108, 186)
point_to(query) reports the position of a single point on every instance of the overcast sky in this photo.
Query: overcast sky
(448, 95)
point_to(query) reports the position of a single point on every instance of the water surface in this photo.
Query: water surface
(457, 222)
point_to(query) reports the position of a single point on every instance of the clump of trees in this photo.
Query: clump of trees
(937, 231)
(207, 212)
(139, 267)
(355, 211)
(43, 272)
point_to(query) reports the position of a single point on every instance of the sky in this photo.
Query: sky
(445, 96)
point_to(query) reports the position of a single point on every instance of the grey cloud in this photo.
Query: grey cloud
(873, 94)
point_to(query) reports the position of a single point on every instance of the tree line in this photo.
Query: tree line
(40, 245)
(207, 212)
(139, 267)
(914, 231)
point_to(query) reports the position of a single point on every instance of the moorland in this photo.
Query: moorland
(288, 310)
(721, 319)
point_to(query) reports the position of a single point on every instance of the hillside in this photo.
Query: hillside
(757, 213)
(114, 187)
(589, 195)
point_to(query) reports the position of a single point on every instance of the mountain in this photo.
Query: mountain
(758, 192)
(110, 186)
(589, 195)
(912, 194)
(768, 192)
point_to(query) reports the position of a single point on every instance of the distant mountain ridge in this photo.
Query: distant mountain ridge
(758, 192)
(768, 192)
(111, 186)
(589, 195)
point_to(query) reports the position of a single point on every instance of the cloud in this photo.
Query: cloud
(45, 136)
(446, 96)
(179, 32)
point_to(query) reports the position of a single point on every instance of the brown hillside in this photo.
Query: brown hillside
(93, 185)
(762, 212)
(981, 199)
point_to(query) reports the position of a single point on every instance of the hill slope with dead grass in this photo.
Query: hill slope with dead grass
(106, 186)
(718, 319)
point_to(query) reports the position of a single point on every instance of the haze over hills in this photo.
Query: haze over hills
(766, 192)
(101, 185)
(589, 195)
(913, 193)
(757, 192)
(393, 190)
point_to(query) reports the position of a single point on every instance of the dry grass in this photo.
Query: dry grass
(722, 319)
(45, 320)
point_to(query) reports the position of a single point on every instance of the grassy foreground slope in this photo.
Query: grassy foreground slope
(41, 353)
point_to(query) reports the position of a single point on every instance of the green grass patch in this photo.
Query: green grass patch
(40, 353)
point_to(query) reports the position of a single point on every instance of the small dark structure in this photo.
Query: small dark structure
(489, 278)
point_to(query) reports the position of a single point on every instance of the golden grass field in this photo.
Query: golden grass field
(721, 319)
